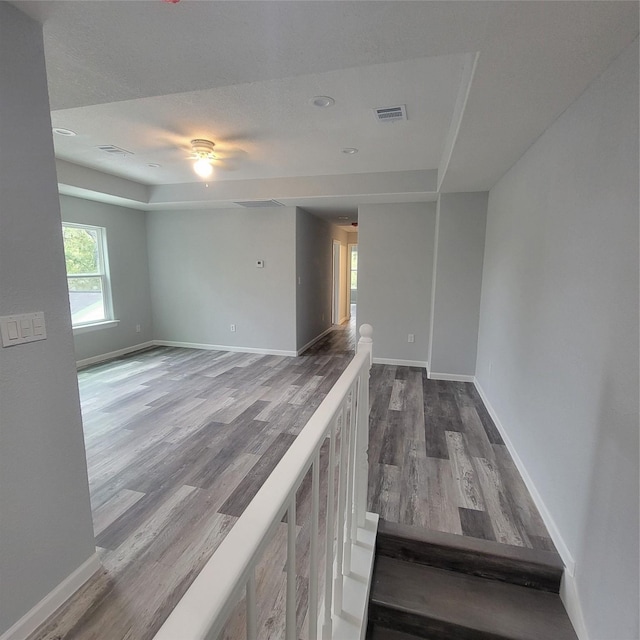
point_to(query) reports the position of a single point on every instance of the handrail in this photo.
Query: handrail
(203, 611)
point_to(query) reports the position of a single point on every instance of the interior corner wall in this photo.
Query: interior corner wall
(395, 265)
(129, 275)
(46, 531)
(203, 277)
(314, 271)
(558, 342)
(458, 280)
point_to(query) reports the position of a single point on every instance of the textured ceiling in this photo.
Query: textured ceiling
(149, 76)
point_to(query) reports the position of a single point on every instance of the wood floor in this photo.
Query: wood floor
(178, 442)
(437, 461)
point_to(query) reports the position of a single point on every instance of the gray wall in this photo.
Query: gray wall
(558, 343)
(203, 275)
(395, 254)
(313, 277)
(127, 248)
(458, 279)
(46, 531)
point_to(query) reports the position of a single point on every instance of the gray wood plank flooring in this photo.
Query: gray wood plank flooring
(437, 461)
(178, 441)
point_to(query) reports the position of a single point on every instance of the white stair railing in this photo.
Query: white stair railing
(338, 610)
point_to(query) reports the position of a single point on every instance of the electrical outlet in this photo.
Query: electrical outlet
(232, 327)
(411, 338)
(138, 328)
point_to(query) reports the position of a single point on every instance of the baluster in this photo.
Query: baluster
(365, 344)
(328, 571)
(342, 495)
(252, 621)
(291, 570)
(346, 567)
(313, 551)
(354, 519)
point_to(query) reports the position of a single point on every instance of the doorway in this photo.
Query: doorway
(335, 302)
(353, 279)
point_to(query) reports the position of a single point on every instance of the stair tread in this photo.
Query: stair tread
(466, 543)
(384, 633)
(486, 606)
(484, 558)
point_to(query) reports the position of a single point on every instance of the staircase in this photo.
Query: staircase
(442, 586)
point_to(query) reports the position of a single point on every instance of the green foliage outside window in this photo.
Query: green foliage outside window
(82, 257)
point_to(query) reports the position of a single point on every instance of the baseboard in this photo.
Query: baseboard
(114, 354)
(312, 342)
(571, 601)
(223, 347)
(558, 541)
(343, 320)
(52, 601)
(453, 377)
(401, 363)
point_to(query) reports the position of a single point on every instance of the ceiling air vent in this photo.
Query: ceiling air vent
(391, 114)
(256, 204)
(114, 151)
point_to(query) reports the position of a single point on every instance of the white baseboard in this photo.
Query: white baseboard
(554, 532)
(571, 601)
(223, 347)
(453, 377)
(312, 342)
(401, 363)
(52, 601)
(103, 357)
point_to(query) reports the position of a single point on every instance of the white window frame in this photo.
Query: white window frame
(102, 273)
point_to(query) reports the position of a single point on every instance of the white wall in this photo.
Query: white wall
(461, 222)
(314, 268)
(46, 531)
(127, 248)
(558, 343)
(395, 254)
(203, 275)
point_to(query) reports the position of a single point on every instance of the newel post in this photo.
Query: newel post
(365, 344)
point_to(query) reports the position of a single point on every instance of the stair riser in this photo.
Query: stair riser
(424, 627)
(517, 572)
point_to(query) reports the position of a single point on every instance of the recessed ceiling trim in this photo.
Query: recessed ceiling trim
(468, 72)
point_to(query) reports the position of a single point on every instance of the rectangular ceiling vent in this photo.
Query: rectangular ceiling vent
(256, 204)
(391, 114)
(113, 150)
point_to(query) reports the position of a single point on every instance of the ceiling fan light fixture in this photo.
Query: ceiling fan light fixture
(203, 167)
(203, 156)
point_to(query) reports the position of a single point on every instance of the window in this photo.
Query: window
(85, 251)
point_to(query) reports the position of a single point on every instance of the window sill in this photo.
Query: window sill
(85, 328)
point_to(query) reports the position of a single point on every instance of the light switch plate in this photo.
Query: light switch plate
(18, 329)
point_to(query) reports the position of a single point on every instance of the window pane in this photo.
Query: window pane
(81, 250)
(86, 300)
(354, 279)
(354, 258)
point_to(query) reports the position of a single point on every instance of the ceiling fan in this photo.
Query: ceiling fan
(204, 154)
